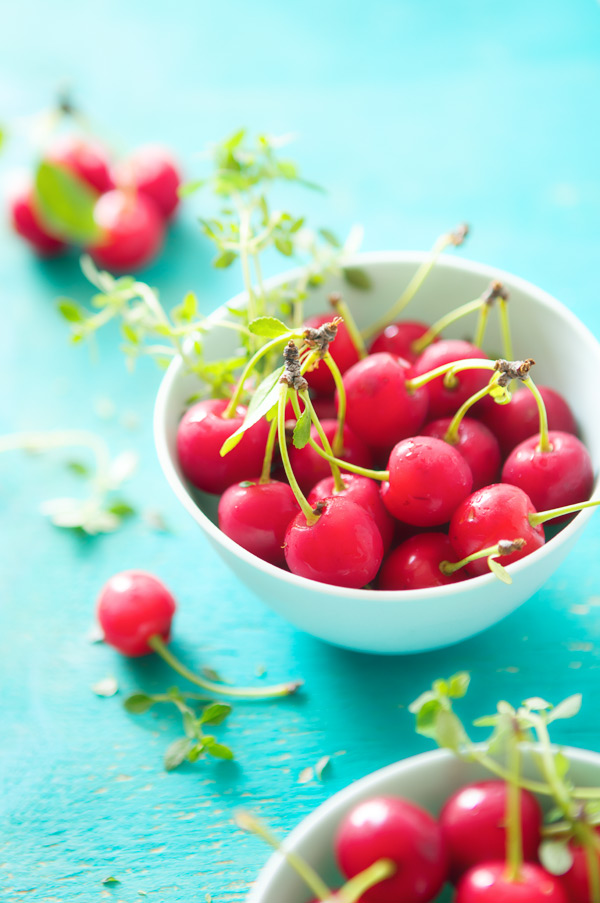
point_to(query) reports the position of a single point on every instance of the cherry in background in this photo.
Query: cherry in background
(363, 491)
(152, 171)
(488, 883)
(443, 401)
(415, 564)
(84, 158)
(256, 516)
(309, 467)
(200, 435)
(132, 231)
(476, 443)
(26, 222)
(575, 882)
(398, 339)
(514, 422)
(391, 828)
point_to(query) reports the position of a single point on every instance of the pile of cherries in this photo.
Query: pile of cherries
(457, 492)
(134, 200)
(466, 845)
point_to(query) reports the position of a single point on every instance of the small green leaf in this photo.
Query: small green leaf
(190, 725)
(110, 880)
(138, 703)
(130, 333)
(215, 713)
(218, 750)
(420, 701)
(66, 204)
(224, 260)
(78, 468)
(287, 169)
(357, 277)
(567, 708)
(537, 704)
(284, 246)
(458, 684)
(264, 398)
(269, 327)
(297, 225)
(176, 753)
(556, 856)
(189, 188)
(330, 238)
(302, 430)
(448, 730)
(427, 718)
(499, 571)
(487, 721)
(120, 509)
(561, 763)
(71, 311)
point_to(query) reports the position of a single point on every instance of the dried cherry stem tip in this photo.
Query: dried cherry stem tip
(338, 303)
(159, 646)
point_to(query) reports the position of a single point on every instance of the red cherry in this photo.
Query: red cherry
(428, 479)
(200, 435)
(152, 171)
(85, 159)
(443, 401)
(132, 607)
(27, 224)
(476, 443)
(552, 479)
(342, 351)
(489, 884)
(380, 407)
(343, 548)
(398, 339)
(325, 407)
(496, 512)
(132, 231)
(416, 564)
(473, 822)
(363, 491)
(256, 516)
(391, 828)
(575, 882)
(309, 467)
(514, 422)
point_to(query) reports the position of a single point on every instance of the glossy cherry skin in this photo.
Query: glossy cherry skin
(309, 467)
(562, 476)
(341, 349)
(514, 422)
(575, 882)
(85, 159)
(200, 435)
(488, 883)
(380, 407)
(473, 824)
(415, 564)
(152, 171)
(132, 231)
(496, 512)
(26, 222)
(343, 548)
(363, 491)
(427, 480)
(398, 339)
(256, 516)
(132, 607)
(392, 828)
(476, 443)
(443, 401)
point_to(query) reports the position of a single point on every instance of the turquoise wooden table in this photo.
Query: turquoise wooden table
(415, 116)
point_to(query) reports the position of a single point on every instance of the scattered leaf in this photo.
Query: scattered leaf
(177, 753)
(108, 686)
(306, 775)
(323, 764)
(358, 278)
(138, 703)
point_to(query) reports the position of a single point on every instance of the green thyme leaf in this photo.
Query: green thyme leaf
(66, 204)
(215, 713)
(499, 571)
(138, 703)
(177, 753)
(71, 311)
(284, 246)
(330, 238)
(120, 509)
(269, 327)
(567, 708)
(302, 430)
(224, 260)
(218, 750)
(265, 398)
(357, 277)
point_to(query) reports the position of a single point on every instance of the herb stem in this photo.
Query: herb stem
(157, 643)
(237, 393)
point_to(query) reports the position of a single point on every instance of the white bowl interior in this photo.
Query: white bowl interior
(567, 358)
(428, 780)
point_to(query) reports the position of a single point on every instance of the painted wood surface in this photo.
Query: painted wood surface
(414, 115)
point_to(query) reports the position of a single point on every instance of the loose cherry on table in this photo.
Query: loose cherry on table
(473, 822)
(27, 223)
(381, 408)
(132, 231)
(84, 158)
(135, 611)
(489, 883)
(200, 435)
(152, 171)
(393, 828)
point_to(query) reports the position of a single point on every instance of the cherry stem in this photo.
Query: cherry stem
(317, 886)
(311, 517)
(338, 439)
(497, 551)
(590, 847)
(544, 445)
(451, 434)
(335, 470)
(342, 309)
(159, 646)
(354, 889)
(265, 475)
(382, 475)
(482, 319)
(432, 333)
(505, 328)
(514, 838)
(540, 518)
(237, 394)
(448, 371)
(443, 242)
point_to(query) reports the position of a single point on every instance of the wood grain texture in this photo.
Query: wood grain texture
(414, 120)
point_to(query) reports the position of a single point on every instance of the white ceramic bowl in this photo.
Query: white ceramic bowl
(428, 780)
(568, 359)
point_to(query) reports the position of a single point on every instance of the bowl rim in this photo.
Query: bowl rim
(356, 789)
(366, 259)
